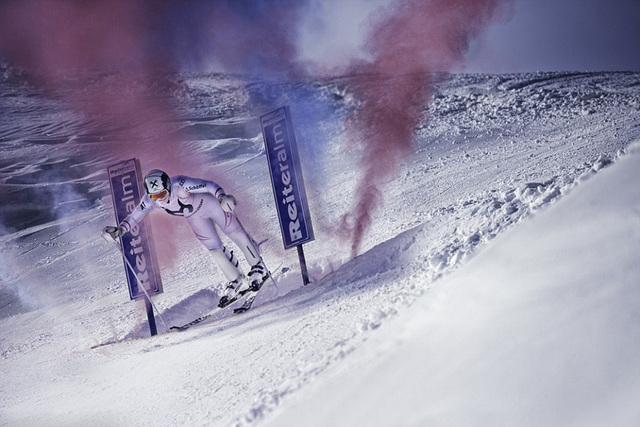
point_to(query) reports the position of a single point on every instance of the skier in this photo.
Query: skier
(204, 204)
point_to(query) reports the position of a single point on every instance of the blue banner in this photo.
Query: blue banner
(137, 245)
(286, 178)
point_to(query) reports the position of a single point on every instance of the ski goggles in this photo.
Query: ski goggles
(158, 196)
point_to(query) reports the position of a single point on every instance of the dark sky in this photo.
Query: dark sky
(533, 35)
(562, 35)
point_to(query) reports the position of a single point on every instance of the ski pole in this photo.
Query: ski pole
(106, 236)
(257, 250)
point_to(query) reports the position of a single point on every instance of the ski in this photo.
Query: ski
(213, 312)
(196, 321)
(249, 295)
(253, 291)
(248, 302)
(236, 298)
(103, 344)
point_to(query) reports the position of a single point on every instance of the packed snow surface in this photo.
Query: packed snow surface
(498, 284)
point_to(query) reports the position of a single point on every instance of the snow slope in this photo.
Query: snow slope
(491, 152)
(541, 328)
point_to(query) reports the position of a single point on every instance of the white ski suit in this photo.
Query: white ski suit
(197, 201)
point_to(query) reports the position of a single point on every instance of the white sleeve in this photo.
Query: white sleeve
(196, 185)
(144, 207)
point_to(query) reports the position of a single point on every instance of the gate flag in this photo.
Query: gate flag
(286, 178)
(137, 245)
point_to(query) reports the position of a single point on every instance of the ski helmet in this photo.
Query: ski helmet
(157, 182)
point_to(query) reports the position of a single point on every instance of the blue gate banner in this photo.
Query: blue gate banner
(124, 179)
(286, 178)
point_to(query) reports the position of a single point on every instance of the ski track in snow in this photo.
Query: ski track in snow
(490, 152)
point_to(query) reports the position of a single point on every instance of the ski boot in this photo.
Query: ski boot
(235, 289)
(257, 276)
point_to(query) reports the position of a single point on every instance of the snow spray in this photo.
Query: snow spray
(407, 42)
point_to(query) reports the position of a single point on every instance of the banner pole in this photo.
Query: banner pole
(153, 329)
(148, 302)
(287, 182)
(303, 265)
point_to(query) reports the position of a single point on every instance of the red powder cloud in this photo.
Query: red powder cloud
(94, 56)
(409, 40)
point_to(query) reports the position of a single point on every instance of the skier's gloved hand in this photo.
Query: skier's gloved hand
(228, 202)
(114, 232)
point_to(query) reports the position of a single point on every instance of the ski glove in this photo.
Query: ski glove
(228, 202)
(114, 232)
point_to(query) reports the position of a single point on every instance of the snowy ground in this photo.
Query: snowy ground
(437, 321)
